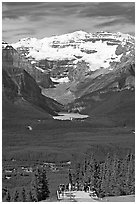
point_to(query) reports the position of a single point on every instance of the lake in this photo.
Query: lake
(69, 116)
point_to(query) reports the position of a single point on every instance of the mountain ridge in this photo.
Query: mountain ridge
(43, 48)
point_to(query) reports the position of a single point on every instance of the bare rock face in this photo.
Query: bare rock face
(14, 63)
(45, 81)
(10, 89)
(80, 72)
(28, 86)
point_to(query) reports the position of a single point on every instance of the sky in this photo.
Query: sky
(45, 19)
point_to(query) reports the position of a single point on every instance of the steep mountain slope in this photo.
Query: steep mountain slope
(118, 106)
(14, 62)
(82, 62)
(32, 93)
(17, 87)
(16, 111)
(21, 110)
(122, 77)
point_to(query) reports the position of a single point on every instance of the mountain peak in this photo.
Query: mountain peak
(79, 32)
(97, 50)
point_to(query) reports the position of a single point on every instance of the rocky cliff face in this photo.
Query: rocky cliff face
(14, 63)
(10, 89)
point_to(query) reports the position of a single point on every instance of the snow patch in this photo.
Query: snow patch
(40, 69)
(33, 62)
(60, 80)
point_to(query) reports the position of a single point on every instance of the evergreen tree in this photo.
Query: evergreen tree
(114, 177)
(44, 186)
(96, 175)
(70, 177)
(34, 190)
(77, 173)
(130, 178)
(23, 195)
(123, 175)
(106, 176)
(7, 197)
(100, 190)
(102, 184)
(39, 186)
(30, 197)
(132, 170)
(15, 196)
(90, 170)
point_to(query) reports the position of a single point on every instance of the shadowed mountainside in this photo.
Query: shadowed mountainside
(25, 88)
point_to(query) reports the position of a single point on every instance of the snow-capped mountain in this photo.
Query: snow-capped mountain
(97, 50)
(63, 54)
(81, 62)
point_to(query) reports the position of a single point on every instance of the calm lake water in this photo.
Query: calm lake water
(69, 116)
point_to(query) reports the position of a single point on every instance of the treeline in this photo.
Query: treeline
(39, 189)
(113, 177)
(33, 156)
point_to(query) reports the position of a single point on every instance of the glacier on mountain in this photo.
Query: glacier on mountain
(97, 50)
